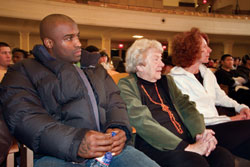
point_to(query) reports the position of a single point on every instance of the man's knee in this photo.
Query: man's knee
(133, 158)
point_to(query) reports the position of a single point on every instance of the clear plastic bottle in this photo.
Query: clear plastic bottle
(103, 161)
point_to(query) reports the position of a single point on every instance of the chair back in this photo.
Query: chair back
(118, 76)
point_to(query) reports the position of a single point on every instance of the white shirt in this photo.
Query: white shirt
(206, 96)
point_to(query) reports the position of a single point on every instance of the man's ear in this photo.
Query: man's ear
(48, 43)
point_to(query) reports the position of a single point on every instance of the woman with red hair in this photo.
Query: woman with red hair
(190, 51)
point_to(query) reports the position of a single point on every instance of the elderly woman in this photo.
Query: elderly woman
(169, 128)
(190, 51)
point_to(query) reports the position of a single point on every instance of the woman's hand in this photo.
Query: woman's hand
(205, 143)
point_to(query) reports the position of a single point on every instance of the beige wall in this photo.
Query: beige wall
(34, 40)
(217, 50)
(144, 3)
(244, 4)
(239, 50)
(95, 42)
(11, 38)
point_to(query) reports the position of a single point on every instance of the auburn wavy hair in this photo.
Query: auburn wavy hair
(186, 47)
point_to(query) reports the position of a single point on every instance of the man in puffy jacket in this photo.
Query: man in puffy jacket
(63, 113)
(5, 140)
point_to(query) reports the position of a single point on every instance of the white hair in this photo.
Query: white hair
(136, 53)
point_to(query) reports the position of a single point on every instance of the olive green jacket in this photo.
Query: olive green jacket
(147, 127)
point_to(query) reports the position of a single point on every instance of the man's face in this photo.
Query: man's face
(5, 56)
(248, 64)
(227, 63)
(66, 43)
(151, 71)
(205, 51)
(103, 59)
(236, 62)
(17, 56)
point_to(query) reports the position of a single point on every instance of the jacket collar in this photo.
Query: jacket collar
(181, 71)
(42, 55)
(89, 60)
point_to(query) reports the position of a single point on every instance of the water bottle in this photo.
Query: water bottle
(105, 160)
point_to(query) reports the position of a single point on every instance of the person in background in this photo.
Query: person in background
(190, 51)
(121, 67)
(104, 61)
(210, 63)
(244, 70)
(227, 76)
(66, 114)
(92, 49)
(169, 129)
(104, 58)
(5, 58)
(216, 63)
(19, 55)
(168, 65)
(237, 62)
(116, 61)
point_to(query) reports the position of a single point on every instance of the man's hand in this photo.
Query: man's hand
(95, 144)
(118, 140)
(245, 112)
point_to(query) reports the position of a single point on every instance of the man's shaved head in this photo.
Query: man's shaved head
(60, 36)
(49, 23)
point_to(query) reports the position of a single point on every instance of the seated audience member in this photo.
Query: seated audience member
(92, 49)
(104, 58)
(5, 58)
(169, 129)
(121, 67)
(168, 65)
(244, 70)
(190, 51)
(104, 61)
(18, 55)
(5, 140)
(210, 63)
(63, 113)
(116, 60)
(237, 62)
(226, 76)
(216, 63)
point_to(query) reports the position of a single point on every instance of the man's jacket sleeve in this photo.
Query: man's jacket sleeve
(31, 124)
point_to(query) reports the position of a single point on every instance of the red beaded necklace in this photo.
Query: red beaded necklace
(164, 108)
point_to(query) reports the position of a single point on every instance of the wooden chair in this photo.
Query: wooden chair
(224, 87)
(118, 76)
(213, 69)
(26, 155)
(10, 162)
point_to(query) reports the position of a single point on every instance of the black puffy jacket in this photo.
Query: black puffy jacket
(5, 139)
(47, 107)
